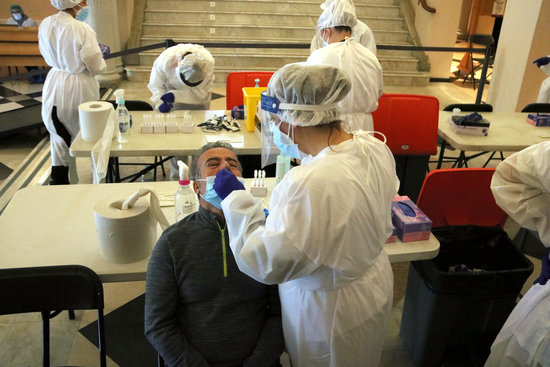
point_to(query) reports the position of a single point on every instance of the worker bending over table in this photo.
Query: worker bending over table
(200, 310)
(328, 220)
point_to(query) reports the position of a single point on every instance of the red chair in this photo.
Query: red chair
(409, 122)
(239, 79)
(460, 196)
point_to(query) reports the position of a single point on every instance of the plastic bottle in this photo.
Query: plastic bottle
(257, 80)
(122, 118)
(282, 167)
(186, 199)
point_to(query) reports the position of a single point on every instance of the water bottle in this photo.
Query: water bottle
(186, 198)
(122, 117)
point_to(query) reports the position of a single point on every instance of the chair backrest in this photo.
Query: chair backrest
(460, 196)
(470, 107)
(409, 122)
(537, 107)
(239, 79)
(482, 39)
(135, 105)
(52, 288)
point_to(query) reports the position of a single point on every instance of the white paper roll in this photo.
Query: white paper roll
(127, 235)
(92, 117)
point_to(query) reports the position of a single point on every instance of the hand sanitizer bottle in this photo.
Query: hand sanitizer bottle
(186, 198)
(122, 118)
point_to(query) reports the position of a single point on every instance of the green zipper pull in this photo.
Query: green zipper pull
(222, 230)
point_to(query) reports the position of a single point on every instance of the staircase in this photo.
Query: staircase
(267, 21)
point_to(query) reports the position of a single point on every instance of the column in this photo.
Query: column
(103, 19)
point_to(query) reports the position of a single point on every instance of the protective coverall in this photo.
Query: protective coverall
(361, 32)
(70, 47)
(367, 83)
(323, 242)
(165, 77)
(521, 186)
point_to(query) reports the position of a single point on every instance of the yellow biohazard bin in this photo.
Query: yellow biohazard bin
(251, 96)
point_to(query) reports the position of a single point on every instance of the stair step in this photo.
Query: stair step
(234, 31)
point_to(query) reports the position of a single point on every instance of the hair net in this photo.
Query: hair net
(337, 13)
(191, 69)
(308, 94)
(64, 4)
(17, 8)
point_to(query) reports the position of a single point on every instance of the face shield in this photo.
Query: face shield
(191, 70)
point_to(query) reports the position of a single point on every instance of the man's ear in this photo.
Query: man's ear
(196, 187)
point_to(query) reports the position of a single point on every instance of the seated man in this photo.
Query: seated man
(200, 310)
(19, 18)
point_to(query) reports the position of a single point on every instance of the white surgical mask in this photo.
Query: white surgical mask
(17, 16)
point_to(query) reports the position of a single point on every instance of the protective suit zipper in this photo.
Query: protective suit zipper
(222, 230)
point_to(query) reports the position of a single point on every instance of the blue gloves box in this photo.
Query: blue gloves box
(411, 222)
(472, 124)
(538, 119)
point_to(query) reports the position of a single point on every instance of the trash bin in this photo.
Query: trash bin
(453, 315)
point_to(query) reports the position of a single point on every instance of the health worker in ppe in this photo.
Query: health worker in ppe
(343, 51)
(322, 241)
(182, 78)
(360, 31)
(70, 47)
(19, 18)
(544, 93)
(521, 187)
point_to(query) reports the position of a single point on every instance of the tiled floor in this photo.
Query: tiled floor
(20, 335)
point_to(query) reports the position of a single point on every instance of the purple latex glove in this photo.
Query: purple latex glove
(105, 50)
(226, 182)
(168, 97)
(541, 61)
(165, 107)
(545, 272)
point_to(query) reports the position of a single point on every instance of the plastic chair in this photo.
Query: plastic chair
(49, 290)
(410, 124)
(460, 196)
(239, 79)
(486, 40)
(537, 107)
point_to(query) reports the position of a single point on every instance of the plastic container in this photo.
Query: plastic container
(186, 199)
(251, 96)
(122, 117)
(450, 316)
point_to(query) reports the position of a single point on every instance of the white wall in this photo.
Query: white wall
(512, 60)
(438, 29)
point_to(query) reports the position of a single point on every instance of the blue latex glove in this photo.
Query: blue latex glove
(168, 97)
(105, 50)
(541, 61)
(226, 182)
(165, 107)
(545, 272)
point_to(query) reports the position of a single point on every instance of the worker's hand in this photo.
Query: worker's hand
(545, 272)
(165, 107)
(226, 182)
(105, 50)
(541, 61)
(168, 97)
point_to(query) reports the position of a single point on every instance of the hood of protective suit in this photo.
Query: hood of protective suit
(18, 8)
(64, 4)
(191, 69)
(337, 13)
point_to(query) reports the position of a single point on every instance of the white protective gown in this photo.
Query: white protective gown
(521, 187)
(544, 92)
(70, 47)
(367, 84)
(361, 32)
(164, 77)
(323, 243)
(29, 22)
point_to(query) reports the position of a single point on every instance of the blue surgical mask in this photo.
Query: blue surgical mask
(285, 143)
(210, 195)
(17, 16)
(325, 43)
(83, 13)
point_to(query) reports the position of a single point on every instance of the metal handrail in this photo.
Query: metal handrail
(426, 7)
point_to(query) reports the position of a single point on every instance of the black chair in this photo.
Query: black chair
(488, 41)
(467, 107)
(137, 105)
(537, 107)
(49, 290)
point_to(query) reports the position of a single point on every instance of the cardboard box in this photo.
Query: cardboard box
(411, 222)
(480, 128)
(538, 119)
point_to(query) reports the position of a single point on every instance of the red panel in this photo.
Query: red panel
(239, 79)
(460, 196)
(409, 122)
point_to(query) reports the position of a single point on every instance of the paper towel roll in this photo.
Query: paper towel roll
(125, 236)
(92, 117)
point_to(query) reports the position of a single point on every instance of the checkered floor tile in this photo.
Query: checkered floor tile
(14, 98)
